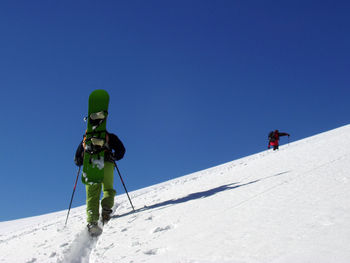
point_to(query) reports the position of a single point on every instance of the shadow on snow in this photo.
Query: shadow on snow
(197, 195)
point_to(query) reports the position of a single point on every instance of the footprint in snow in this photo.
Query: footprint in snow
(151, 251)
(161, 229)
(42, 244)
(154, 251)
(64, 245)
(149, 218)
(111, 245)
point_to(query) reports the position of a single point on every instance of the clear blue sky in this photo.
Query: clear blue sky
(192, 84)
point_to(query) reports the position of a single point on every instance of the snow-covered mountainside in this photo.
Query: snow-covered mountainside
(292, 205)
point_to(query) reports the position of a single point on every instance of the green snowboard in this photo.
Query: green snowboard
(95, 138)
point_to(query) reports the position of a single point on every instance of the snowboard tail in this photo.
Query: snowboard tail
(95, 137)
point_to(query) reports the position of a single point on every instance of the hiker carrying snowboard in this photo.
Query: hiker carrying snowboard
(114, 151)
(274, 137)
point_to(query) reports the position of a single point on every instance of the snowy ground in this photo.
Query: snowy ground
(286, 206)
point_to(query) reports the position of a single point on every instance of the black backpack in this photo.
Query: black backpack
(271, 137)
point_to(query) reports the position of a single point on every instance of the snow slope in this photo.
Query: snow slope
(286, 206)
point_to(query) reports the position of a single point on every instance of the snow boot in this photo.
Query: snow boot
(94, 229)
(106, 214)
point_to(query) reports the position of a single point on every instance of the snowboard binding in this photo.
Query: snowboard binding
(95, 137)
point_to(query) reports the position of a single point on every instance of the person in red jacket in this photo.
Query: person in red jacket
(274, 137)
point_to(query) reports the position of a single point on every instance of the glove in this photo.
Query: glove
(79, 161)
(114, 156)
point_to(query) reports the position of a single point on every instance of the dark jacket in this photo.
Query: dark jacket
(275, 136)
(115, 150)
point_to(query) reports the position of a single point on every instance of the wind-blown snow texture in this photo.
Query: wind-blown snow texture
(286, 206)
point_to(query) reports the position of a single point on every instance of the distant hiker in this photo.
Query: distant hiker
(114, 151)
(274, 137)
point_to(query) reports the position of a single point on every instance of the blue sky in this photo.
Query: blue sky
(192, 84)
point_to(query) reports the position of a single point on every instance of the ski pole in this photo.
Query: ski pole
(71, 200)
(121, 179)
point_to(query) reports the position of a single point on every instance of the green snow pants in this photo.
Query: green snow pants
(93, 193)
